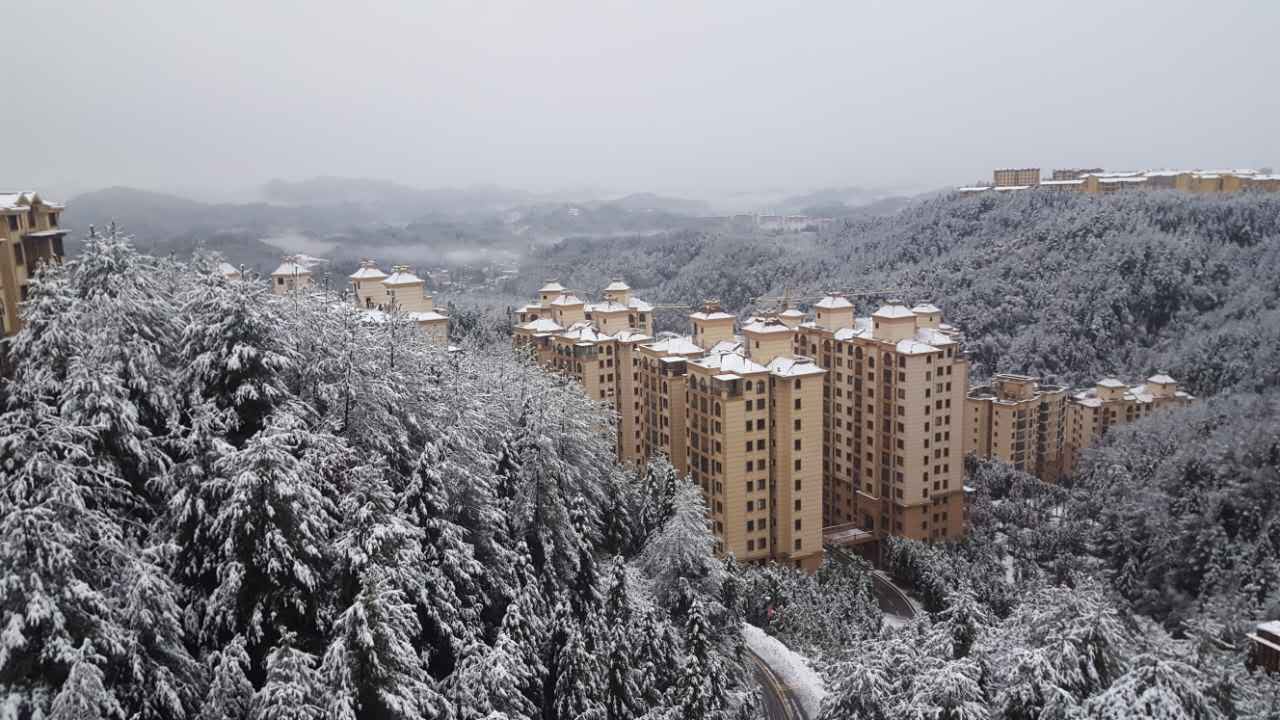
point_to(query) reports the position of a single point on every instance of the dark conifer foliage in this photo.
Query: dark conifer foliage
(216, 502)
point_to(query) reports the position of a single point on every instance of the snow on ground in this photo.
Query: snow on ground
(790, 667)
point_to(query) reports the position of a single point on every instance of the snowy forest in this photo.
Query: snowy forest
(218, 503)
(1068, 286)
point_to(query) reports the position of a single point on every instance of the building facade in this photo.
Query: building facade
(892, 410)
(1042, 429)
(30, 235)
(1015, 177)
(378, 293)
(1111, 402)
(1019, 421)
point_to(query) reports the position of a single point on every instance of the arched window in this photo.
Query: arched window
(759, 386)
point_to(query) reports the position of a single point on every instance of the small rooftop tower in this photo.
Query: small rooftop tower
(834, 312)
(618, 291)
(406, 291)
(291, 275)
(893, 322)
(549, 291)
(711, 325)
(366, 282)
(1161, 385)
(927, 315)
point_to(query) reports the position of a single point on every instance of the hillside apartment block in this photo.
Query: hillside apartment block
(1097, 180)
(794, 426)
(29, 235)
(780, 421)
(1042, 429)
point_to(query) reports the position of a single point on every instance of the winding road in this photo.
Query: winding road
(779, 702)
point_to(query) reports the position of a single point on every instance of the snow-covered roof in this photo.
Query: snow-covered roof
(915, 347)
(608, 306)
(551, 286)
(1077, 181)
(765, 326)
(1011, 188)
(290, 268)
(428, 316)
(629, 335)
(640, 305)
(542, 325)
(679, 345)
(714, 315)
(933, 336)
(791, 313)
(617, 286)
(793, 367)
(893, 312)
(973, 188)
(583, 331)
(1113, 180)
(729, 362)
(531, 307)
(17, 200)
(228, 269)
(926, 309)
(402, 277)
(850, 333)
(1110, 383)
(367, 273)
(833, 302)
(564, 300)
(1161, 379)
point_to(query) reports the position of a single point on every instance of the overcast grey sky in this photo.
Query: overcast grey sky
(686, 96)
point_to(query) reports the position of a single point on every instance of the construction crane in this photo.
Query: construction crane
(786, 299)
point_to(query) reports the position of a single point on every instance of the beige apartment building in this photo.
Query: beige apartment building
(892, 418)
(30, 235)
(1111, 402)
(1041, 429)
(1096, 180)
(1019, 421)
(402, 291)
(1015, 177)
(736, 411)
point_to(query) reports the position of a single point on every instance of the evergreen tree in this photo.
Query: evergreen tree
(84, 696)
(371, 667)
(292, 690)
(230, 694)
(579, 687)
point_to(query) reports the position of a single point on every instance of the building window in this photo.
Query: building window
(798, 544)
(797, 461)
(797, 403)
(797, 425)
(17, 253)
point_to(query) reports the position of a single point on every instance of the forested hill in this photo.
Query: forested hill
(1064, 285)
(218, 503)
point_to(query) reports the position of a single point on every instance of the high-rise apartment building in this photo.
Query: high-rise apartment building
(1041, 429)
(738, 412)
(1019, 421)
(29, 235)
(893, 407)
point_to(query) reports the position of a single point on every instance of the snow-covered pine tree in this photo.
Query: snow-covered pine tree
(158, 679)
(84, 696)
(371, 668)
(230, 694)
(680, 552)
(579, 682)
(292, 690)
(701, 688)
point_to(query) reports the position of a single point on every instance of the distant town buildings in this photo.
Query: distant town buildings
(30, 235)
(1042, 429)
(1097, 180)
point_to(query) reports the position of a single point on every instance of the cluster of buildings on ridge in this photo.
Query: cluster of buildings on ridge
(373, 291)
(804, 431)
(30, 235)
(1097, 180)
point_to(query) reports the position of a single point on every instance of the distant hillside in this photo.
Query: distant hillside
(391, 200)
(649, 202)
(1068, 286)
